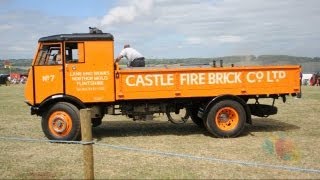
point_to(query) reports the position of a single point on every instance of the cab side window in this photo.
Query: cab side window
(49, 55)
(75, 52)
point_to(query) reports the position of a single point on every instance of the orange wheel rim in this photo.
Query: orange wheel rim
(227, 118)
(60, 123)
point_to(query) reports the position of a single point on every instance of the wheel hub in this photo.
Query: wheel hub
(227, 118)
(59, 124)
(224, 117)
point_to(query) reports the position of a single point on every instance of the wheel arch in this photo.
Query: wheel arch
(229, 97)
(59, 98)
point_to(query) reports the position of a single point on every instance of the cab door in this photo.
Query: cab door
(48, 72)
(89, 71)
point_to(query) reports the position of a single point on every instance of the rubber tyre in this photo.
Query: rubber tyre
(234, 122)
(62, 122)
(193, 112)
(177, 120)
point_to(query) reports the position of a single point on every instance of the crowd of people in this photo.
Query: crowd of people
(5, 79)
(315, 79)
(21, 80)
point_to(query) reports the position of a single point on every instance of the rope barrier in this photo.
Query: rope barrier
(46, 140)
(171, 154)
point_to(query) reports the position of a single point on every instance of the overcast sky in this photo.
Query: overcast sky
(169, 28)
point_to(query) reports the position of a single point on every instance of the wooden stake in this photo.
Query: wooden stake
(86, 132)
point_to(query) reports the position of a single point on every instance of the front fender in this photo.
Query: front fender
(229, 97)
(39, 109)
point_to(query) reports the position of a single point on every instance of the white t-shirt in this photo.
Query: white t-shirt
(130, 54)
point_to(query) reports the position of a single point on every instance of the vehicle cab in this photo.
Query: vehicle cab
(78, 67)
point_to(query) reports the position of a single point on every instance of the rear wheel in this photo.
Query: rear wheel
(193, 112)
(177, 117)
(226, 119)
(61, 122)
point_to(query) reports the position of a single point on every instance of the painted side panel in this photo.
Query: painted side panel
(152, 83)
(92, 80)
(28, 89)
(48, 81)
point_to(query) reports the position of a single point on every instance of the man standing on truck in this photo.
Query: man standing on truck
(134, 57)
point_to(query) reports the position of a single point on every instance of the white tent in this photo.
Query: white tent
(306, 79)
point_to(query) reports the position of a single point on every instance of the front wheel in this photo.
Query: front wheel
(226, 119)
(61, 122)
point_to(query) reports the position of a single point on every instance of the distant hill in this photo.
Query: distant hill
(308, 64)
(17, 66)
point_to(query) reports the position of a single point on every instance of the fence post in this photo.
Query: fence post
(86, 133)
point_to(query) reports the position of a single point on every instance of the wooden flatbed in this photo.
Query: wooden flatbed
(205, 81)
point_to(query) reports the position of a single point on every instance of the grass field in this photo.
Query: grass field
(295, 128)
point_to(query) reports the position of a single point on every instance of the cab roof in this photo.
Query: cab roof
(78, 37)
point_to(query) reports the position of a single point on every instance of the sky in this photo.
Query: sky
(168, 28)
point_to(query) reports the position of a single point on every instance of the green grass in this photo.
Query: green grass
(297, 121)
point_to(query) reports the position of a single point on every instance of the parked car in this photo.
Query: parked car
(4, 79)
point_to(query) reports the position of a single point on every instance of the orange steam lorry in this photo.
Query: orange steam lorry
(215, 98)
